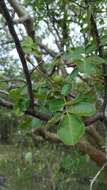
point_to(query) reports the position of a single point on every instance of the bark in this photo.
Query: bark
(20, 52)
(95, 154)
(94, 135)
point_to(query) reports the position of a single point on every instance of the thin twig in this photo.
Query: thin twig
(96, 176)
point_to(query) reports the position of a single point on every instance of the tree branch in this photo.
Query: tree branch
(96, 36)
(93, 119)
(3, 92)
(10, 24)
(96, 155)
(9, 105)
(27, 20)
(6, 104)
(24, 17)
(88, 121)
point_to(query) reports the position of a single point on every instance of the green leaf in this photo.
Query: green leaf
(74, 54)
(15, 94)
(41, 93)
(95, 60)
(70, 77)
(79, 98)
(29, 46)
(57, 78)
(54, 120)
(22, 104)
(90, 64)
(36, 123)
(74, 73)
(49, 66)
(25, 124)
(30, 123)
(56, 104)
(86, 96)
(66, 89)
(90, 47)
(104, 40)
(82, 109)
(71, 129)
(87, 68)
